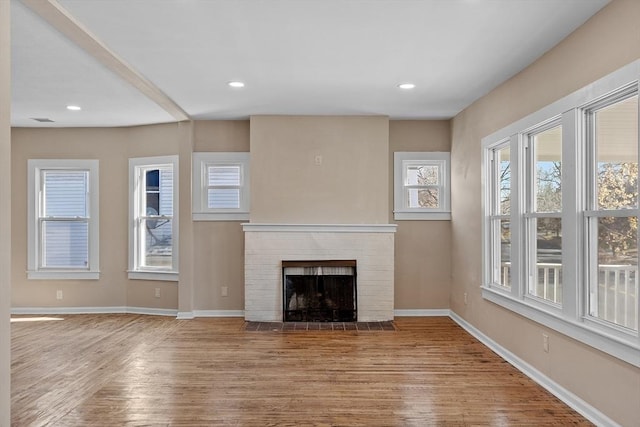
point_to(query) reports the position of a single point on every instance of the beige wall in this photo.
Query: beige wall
(5, 213)
(112, 147)
(606, 42)
(349, 187)
(212, 252)
(422, 248)
(219, 245)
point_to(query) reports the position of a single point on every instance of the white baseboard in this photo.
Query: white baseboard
(575, 402)
(218, 313)
(94, 310)
(69, 310)
(153, 311)
(433, 312)
(185, 315)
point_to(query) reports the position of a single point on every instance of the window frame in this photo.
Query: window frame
(571, 318)
(531, 214)
(200, 179)
(402, 159)
(135, 270)
(493, 244)
(35, 199)
(593, 213)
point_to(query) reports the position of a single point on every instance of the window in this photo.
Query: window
(220, 186)
(499, 219)
(421, 184)
(153, 217)
(561, 208)
(63, 223)
(612, 212)
(543, 211)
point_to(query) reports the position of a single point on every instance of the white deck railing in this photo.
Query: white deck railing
(616, 295)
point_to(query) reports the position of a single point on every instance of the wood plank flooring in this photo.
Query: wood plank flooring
(134, 370)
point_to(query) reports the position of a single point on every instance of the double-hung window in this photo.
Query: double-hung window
(153, 234)
(611, 218)
(421, 186)
(499, 209)
(543, 212)
(220, 186)
(63, 223)
(561, 209)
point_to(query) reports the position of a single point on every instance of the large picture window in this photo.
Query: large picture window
(153, 206)
(63, 219)
(561, 215)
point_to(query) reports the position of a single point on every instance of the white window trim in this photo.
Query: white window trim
(400, 212)
(133, 272)
(571, 319)
(201, 161)
(34, 166)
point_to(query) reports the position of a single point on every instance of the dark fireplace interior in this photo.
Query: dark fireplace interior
(319, 291)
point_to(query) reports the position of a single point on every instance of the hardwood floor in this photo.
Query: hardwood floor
(134, 370)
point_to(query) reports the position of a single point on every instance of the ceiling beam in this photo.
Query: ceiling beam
(60, 19)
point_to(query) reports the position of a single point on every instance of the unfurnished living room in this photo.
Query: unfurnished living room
(319, 212)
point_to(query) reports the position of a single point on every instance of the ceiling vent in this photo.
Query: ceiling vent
(42, 119)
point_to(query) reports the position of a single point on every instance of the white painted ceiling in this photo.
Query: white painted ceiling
(316, 57)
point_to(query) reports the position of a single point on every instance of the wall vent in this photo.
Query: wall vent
(42, 119)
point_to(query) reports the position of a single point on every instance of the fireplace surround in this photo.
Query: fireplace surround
(371, 246)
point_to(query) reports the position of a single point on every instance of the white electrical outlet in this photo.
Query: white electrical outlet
(545, 343)
(58, 294)
(157, 292)
(224, 291)
(465, 298)
(318, 160)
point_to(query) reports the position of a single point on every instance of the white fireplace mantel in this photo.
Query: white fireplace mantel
(321, 228)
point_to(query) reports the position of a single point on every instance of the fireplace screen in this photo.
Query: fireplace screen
(319, 291)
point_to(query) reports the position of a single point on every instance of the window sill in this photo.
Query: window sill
(220, 216)
(62, 275)
(166, 276)
(421, 216)
(618, 346)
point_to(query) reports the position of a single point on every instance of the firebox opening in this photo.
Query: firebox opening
(319, 291)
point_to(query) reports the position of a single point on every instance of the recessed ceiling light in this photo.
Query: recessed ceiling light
(406, 86)
(236, 84)
(73, 108)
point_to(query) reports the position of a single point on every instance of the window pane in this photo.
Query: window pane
(615, 296)
(166, 191)
(223, 198)
(152, 192)
(504, 180)
(502, 263)
(224, 175)
(158, 197)
(423, 198)
(65, 244)
(65, 193)
(547, 149)
(156, 247)
(423, 175)
(548, 256)
(616, 134)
